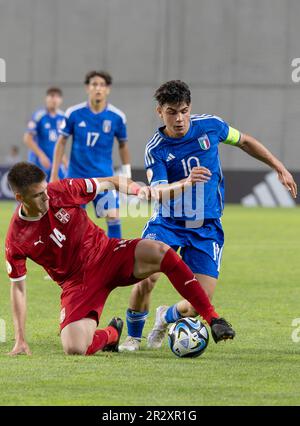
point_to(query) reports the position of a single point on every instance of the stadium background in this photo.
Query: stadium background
(236, 55)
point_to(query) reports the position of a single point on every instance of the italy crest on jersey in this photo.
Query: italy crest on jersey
(106, 126)
(204, 142)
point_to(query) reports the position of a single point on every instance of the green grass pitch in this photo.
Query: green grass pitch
(258, 292)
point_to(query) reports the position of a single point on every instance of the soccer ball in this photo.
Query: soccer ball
(188, 337)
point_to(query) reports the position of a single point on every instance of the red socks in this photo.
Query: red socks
(187, 285)
(102, 337)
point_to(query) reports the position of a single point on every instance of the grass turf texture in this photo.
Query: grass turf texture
(257, 291)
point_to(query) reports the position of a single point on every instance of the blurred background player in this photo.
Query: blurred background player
(94, 125)
(42, 133)
(184, 147)
(13, 157)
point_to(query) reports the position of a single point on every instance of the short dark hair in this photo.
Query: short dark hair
(54, 91)
(103, 74)
(173, 92)
(24, 174)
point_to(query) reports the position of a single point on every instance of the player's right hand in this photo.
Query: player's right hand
(20, 348)
(44, 160)
(199, 174)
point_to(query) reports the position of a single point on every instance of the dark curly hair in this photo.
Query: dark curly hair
(173, 92)
(24, 174)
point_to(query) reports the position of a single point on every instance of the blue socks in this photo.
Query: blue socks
(135, 323)
(114, 228)
(172, 314)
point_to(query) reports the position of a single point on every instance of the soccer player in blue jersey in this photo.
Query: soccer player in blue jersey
(187, 146)
(42, 132)
(94, 125)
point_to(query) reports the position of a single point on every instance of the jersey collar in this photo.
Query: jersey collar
(185, 138)
(30, 219)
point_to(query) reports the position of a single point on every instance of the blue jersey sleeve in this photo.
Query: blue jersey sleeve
(155, 167)
(33, 123)
(67, 125)
(121, 129)
(221, 127)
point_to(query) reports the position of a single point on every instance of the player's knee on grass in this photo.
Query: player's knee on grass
(77, 336)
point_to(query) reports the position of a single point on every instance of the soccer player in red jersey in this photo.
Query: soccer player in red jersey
(51, 228)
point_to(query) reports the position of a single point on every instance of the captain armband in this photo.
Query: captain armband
(233, 136)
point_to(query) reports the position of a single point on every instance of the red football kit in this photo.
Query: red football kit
(74, 251)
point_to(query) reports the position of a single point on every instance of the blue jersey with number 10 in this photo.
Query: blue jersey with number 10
(93, 139)
(169, 160)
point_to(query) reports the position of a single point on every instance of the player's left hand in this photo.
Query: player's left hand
(287, 180)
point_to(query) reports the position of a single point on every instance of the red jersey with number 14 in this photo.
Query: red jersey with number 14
(64, 240)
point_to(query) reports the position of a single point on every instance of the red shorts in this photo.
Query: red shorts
(113, 269)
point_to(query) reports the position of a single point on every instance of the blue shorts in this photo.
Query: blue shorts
(106, 201)
(200, 248)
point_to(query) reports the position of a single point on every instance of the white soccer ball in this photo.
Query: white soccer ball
(188, 337)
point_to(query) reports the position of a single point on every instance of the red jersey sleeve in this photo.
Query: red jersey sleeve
(15, 262)
(73, 191)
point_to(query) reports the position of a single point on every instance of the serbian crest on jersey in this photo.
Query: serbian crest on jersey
(62, 216)
(204, 142)
(106, 126)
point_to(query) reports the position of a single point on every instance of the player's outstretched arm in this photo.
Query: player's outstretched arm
(58, 156)
(169, 191)
(18, 304)
(120, 183)
(257, 150)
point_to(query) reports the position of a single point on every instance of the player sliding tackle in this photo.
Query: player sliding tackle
(51, 228)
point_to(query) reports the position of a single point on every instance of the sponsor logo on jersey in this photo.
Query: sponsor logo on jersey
(106, 126)
(82, 124)
(204, 142)
(47, 126)
(39, 241)
(170, 157)
(62, 216)
(8, 267)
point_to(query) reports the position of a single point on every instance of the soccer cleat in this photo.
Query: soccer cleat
(116, 323)
(130, 344)
(221, 329)
(157, 334)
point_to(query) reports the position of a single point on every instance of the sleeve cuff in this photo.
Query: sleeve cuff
(14, 280)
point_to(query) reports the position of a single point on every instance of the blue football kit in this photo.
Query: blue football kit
(92, 146)
(45, 127)
(192, 221)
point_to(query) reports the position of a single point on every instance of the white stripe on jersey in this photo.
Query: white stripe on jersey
(38, 115)
(75, 108)
(117, 111)
(14, 280)
(148, 156)
(205, 117)
(89, 186)
(148, 146)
